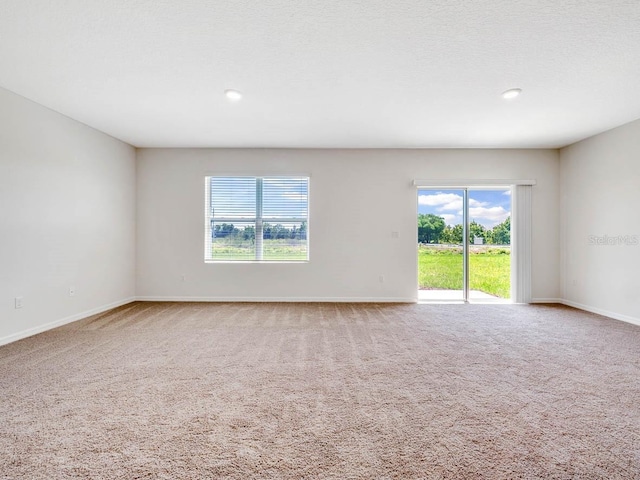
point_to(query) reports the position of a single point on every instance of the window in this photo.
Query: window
(256, 219)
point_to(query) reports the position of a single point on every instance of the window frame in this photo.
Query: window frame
(259, 220)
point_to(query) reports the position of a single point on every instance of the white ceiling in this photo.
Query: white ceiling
(331, 73)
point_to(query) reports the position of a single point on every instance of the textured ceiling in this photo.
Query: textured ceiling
(332, 73)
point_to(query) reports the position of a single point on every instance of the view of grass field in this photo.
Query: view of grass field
(489, 269)
(273, 250)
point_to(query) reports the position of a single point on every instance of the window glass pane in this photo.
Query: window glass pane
(489, 244)
(233, 241)
(284, 198)
(440, 245)
(285, 241)
(256, 218)
(233, 197)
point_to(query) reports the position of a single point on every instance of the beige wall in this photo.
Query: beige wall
(600, 185)
(357, 198)
(67, 218)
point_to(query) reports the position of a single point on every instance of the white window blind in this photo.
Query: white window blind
(256, 218)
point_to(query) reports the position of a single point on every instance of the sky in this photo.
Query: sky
(486, 207)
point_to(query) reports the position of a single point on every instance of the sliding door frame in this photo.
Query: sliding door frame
(520, 232)
(465, 244)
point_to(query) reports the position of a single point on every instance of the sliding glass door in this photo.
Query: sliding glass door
(440, 244)
(464, 244)
(489, 216)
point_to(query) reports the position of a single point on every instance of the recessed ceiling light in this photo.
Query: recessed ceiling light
(233, 95)
(511, 93)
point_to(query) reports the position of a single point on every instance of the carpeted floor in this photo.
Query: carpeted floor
(324, 391)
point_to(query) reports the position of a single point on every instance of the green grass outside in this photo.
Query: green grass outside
(489, 269)
(272, 250)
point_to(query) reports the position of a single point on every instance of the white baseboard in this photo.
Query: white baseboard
(281, 299)
(546, 300)
(589, 308)
(600, 311)
(58, 323)
(48, 326)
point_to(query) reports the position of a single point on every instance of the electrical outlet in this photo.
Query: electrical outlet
(18, 301)
(395, 235)
(381, 278)
(72, 291)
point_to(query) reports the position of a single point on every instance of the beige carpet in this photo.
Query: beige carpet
(324, 391)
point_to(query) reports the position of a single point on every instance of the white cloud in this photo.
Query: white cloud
(455, 205)
(450, 219)
(449, 207)
(491, 215)
(447, 202)
(476, 203)
(441, 200)
(507, 192)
